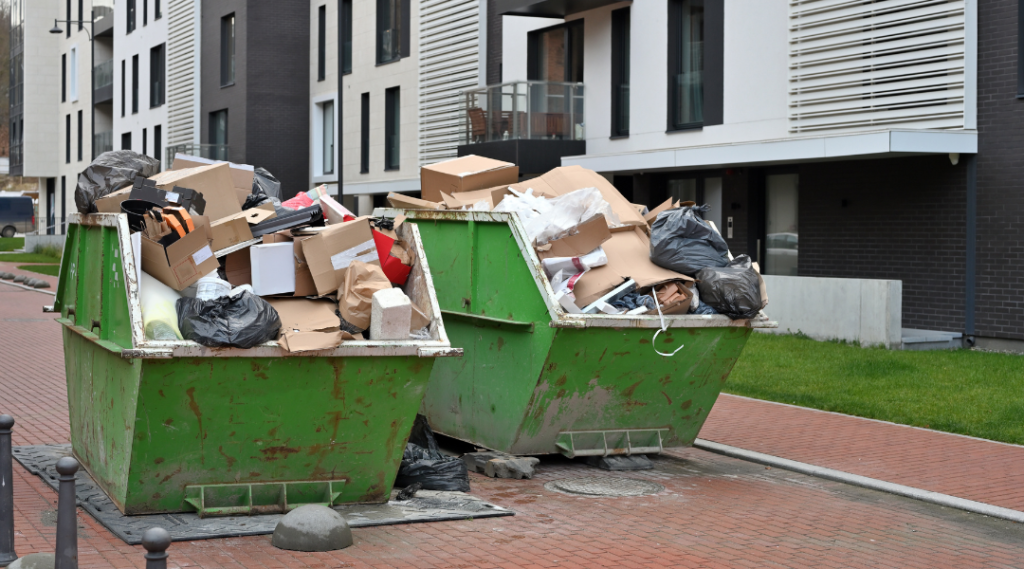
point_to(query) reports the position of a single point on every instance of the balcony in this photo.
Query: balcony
(530, 123)
(210, 151)
(103, 25)
(102, 142)
(103, 83)
(548, 8)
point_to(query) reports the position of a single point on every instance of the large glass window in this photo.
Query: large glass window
(157, 75)
(135, 84)
(227, 50)
(63, 77)
(219, 134)
(346, 36)
(556, 54)
(686, 63)
(620, 72)
(73, 73)
(81, 131)
(321, 43)
(123, 80)
(389, 30)
(392, 128)
(130, 13)
(67, 139)
(364, 134)
(327, 137)
(781, 215)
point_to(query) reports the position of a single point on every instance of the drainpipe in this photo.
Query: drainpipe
(971, 246)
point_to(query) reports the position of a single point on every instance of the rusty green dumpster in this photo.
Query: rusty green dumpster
(537, 380)
(175, 426)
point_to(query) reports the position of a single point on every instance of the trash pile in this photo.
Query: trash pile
(225, 263)
(602, 254)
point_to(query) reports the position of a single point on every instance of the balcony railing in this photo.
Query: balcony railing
(103, 75)
(209, 151)
(534, 110)
(102, 142)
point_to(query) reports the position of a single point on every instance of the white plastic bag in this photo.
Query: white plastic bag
(159, 316)
(544, 219)
(565, 272)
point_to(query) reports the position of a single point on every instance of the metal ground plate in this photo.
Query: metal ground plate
(427, 506)
(605, 486)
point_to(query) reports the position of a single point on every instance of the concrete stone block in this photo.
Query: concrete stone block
(511, 467)
(621, 462)
(34, 561)
(312, 528)
(390, 315)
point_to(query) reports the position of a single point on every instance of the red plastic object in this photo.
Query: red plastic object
(300, 201)
(394, 270)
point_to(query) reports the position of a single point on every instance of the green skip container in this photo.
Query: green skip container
(537, 380)
(177, 427)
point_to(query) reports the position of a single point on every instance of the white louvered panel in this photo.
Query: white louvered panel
(449, 64)
(182, 86)
(865, 63)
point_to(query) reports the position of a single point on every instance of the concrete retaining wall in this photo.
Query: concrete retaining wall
(32, 241)
(863, 310)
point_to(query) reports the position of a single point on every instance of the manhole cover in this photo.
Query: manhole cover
(604, 486)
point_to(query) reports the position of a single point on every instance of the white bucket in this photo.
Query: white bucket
(210, 287)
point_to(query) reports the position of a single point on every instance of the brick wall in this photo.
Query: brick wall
(903, 219)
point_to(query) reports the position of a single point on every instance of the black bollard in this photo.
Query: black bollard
(67, 516)
(156, 541)
(7, 555)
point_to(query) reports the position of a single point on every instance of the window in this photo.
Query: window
(157, 131)
(156, 14)
(73, 73)
(364, 134)
(80, 131)
(157, 75)
(144, 149)
(392, 30)
(346, 36)
(781, 232)
(63, 77)
(620, 72)
(326, 132)
(126, 141)
(219, 134)
(227, 50)
(130, 13)
(556, 54)
(392, 129)
(67, 139)
(686, 63)
(68, 31)
(135, 84)
(122, 87)
(145, 18)
(80, 23)
(321, 47)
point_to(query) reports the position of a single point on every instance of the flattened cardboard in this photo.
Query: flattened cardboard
(628, 255)
(653, 214)
(492, 196)
(588, 236)
(111, 203)
(234, 229)
(307, 325)
(403, 201)
(465, 174)
(183, 262)
(241, 174)
(331, 251)
(561, 181)
(213, 181)
(238, 268)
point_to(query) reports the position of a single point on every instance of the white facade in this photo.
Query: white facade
(801, 81)
(323, 108)
(183, 50)
(140, 85)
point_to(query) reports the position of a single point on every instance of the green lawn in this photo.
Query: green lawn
(971, 393)
(28, 258)
(51, 270)
(11, 243)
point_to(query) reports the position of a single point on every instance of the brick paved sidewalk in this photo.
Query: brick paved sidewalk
(965, 467)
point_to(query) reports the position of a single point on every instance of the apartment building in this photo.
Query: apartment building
(139, 64)
(857, 140)
(255, 87)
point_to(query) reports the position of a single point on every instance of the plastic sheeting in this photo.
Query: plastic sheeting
(734, 290)
(424, 462)
(236, 321)
(682, 241)
(263, 182)
(544, 219)
(110, 172)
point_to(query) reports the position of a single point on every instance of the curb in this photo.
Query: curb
(51, 293)
(862, 481)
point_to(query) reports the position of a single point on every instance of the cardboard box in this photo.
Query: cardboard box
(464, 175)
(491, 196)
(561, 181)
(213, 181)
(241, 174)
(581, 240)
(234, 229)
(111, 203)
(628, 255)
(273, 268)
(183, 262)
(403, 201)
(304, 285)
(238, 268)
(674, 298)
(330, 252)
(334, 211)
(307, 325)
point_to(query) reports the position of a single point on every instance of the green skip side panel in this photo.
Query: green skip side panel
(102, 392)
(231, 420)
(91, 284)
(606, 379)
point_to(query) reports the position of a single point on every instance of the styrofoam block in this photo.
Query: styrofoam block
(390, 315)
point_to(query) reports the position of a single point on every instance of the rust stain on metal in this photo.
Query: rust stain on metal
(171, 475)
(501, 343)
(278, 452)
(230, 460)
(158, 461)
(628, 392)
(168, 422)
(258, 370)
(686, 405)
(667, 398)
(562, 380)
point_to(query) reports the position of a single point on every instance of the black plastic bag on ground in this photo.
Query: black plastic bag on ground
(110, 172)
(734, 290)
(240, 321)
(683, 242)
(265, 183)
(424, 462)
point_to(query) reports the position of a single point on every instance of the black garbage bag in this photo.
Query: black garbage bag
(734, 290)
(110, 172)
(240, 321)
(682, 241)
(265, 183)
(423, 462)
